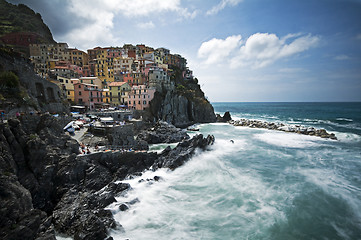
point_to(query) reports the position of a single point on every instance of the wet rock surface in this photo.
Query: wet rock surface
(45, 186)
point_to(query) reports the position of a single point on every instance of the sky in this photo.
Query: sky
(240, 50)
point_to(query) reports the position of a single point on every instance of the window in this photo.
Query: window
(79, 86)
(144, 102)
(79, 93)
(138, 102)
(118, 88)
(110, 88)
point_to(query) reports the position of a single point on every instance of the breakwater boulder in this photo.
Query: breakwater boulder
(311, 131)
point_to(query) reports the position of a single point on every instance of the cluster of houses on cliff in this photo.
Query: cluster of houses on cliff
(125, 76)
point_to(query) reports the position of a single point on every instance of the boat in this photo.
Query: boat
(71, 130)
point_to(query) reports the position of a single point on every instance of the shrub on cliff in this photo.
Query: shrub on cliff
(9, 80)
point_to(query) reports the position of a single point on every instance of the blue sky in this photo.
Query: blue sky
(240, 50)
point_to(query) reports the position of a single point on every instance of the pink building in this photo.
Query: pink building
(140, 97)
(88, 95)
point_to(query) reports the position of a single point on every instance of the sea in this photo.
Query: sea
(264, 184)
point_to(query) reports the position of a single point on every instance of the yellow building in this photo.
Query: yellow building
(119, 92)
(104, 67)
(106, 95)
(67, 85)
(78, 57)
(92, 80)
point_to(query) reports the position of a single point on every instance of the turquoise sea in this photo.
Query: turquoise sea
(265, 185)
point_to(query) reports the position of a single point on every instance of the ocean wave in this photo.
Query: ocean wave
(206, 192)
(347, 137)
(344, 119)
(335, 184)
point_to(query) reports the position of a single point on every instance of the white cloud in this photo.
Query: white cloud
(341, 57)
(100, 14)
(217, 50)
(220, 6)
(146, 25)
(260, 49)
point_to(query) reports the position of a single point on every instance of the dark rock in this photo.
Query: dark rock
(157, 178)
(181, 109)
(182, 152)
(227, 117)
(134, 201)
(163, 132)
(123, 207)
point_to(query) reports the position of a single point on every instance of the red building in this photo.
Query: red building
(20, 38)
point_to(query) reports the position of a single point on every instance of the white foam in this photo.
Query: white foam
(206, 190)
(347, 137)
(336, 185)
(290, 140)
(344, 119)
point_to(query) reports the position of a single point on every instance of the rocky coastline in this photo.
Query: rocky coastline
(47, 187)
(311, 131)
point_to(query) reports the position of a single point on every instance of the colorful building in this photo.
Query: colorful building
(67, 85)
(140, 97)
(88, 95)
(78, 57)
(119, 93)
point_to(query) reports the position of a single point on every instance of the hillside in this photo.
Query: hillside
(21, 26)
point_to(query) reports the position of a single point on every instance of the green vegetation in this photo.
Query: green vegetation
(9, 80)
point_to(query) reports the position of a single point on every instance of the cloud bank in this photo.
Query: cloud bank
(259, 50)
(93, 20)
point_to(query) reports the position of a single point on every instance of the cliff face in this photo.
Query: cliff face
(182, 106)
(30, 92)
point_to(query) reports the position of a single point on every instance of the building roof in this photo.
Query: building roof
(116, 84)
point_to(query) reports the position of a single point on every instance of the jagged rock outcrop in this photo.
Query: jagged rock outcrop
(226, 117)
(163, 132)
(45, 186)
(181, 109)
(173, 158)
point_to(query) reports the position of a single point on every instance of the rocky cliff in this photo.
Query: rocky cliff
(182, 106)
(45, 186)
(21, 90)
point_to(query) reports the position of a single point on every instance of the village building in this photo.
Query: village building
(88, 95)
(159, 79)
(140, 97)
(119, 93)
